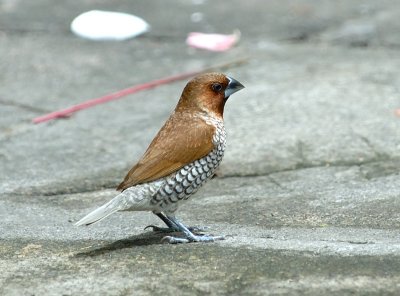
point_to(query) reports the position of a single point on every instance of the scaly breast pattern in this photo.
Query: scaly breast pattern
(182, 184)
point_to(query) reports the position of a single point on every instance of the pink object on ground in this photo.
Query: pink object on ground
(213, 42)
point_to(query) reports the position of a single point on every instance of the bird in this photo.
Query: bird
(183, 155)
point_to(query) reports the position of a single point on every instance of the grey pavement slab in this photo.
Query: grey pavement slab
(307, 194)
(306, 235)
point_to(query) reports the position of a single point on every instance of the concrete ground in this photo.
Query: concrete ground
(308, 192)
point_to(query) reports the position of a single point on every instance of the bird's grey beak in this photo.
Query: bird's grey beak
(233, 86)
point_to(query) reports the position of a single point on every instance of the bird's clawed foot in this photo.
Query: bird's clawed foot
(191, 239)
(176, 229)
(191, 234)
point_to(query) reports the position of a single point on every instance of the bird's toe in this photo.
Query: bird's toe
(174, 240)
(161, 229)
(198, 228)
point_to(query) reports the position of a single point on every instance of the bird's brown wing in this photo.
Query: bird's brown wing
(182, 140)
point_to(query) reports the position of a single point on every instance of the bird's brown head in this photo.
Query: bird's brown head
(208, 93)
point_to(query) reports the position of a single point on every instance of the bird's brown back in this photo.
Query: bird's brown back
(183, 139)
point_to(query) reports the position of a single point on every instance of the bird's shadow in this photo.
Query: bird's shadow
(144, 239)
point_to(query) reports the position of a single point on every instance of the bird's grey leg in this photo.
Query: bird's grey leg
(169, 223)
(189, 236)
(171, 226)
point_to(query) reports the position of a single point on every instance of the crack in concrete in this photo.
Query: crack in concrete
(300, 151)
(54, 190)
(378, 154)
(312, 166)
(23, 106)
(303, 161)
(275, 182)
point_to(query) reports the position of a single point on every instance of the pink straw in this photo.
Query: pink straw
(119, 94)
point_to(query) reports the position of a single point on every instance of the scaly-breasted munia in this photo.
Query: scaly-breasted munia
(183, 156)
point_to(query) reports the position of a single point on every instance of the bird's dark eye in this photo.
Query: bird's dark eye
(217, 87)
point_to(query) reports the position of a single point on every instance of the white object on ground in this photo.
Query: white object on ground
(213, 42)
(108, 25)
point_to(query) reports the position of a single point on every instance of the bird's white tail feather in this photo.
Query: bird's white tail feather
(100, 213)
